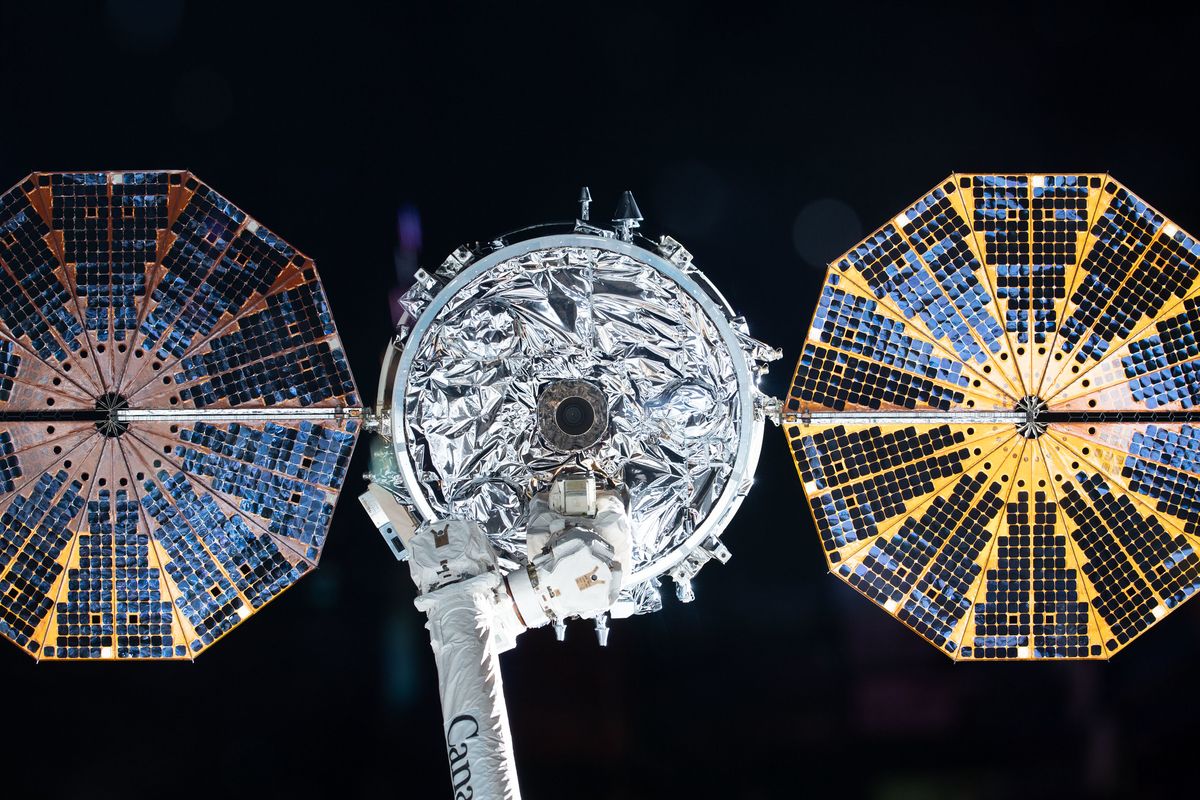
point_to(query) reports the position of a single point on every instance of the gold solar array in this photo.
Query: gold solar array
(993, 416)
(152, 536)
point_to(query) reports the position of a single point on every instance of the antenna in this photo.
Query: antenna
(585, 204)
(627, 217)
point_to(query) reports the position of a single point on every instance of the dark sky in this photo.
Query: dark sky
(768, 140)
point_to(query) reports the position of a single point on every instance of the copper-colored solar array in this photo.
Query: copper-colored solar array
(176, 415)
(993, 416)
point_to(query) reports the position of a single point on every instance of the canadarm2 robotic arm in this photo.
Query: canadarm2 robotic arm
(578, 545)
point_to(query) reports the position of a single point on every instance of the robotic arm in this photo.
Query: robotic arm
(578, 547)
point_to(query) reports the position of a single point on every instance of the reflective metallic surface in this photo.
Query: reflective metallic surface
(682, 430)
(572, 414)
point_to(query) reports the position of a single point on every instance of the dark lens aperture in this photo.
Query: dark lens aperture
(574, 416)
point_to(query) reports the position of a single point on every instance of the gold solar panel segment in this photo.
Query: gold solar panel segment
(1032, 230)
(1038, 502)
(176, 415)
(1140, 270)
(1153, 367)
(863, 479)
(922, 270)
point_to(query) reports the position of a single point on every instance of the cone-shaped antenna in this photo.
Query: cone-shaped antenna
(627, 216)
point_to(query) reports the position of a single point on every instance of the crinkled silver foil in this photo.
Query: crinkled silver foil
(573, 312)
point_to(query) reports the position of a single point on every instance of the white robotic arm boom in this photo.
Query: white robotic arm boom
(582, 545)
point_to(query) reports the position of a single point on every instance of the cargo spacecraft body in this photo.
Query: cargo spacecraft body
(566, 415)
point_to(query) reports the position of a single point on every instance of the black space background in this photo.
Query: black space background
(767, 140)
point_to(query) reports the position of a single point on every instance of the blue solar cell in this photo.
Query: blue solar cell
(866, 477)
(251, 264)
(139, 214)
(849, 322)
(252, 561)
(1150, 359)
(1060, 615)
(1180, 449)
(1180, 383)
(1177, 493)
(82, 214)
(84, 614)
(308, 452)
(207, 597)
(941, 598)
(10, 363)
(892, 567)
(10, 465)
(1122, 599)
(835, 380)
(290, 319)
(1168, 561)
(144, 613)
(33, 303)
(1001, 214)
(1059, 207)
(1120, 238)
(942, 238)
(892, 269)
(204, 230)
(246, 362)
(1004, 614)
(34, 529)
(307, 376)
(272, 471)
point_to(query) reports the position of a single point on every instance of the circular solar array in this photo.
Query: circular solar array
(174, 427)
(994, 418)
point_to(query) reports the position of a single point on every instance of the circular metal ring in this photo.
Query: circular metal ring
(691, 283)
(572, 414)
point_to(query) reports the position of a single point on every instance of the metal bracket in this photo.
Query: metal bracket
(769, 407)
(670, 249)
(426, 281)
(392, 520)
(583, 226)
(336, 413)
(682, 575)
(455, 262)
(372, 420)
(807, 417)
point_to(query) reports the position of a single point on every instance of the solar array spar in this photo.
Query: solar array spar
(994, 416)
(176, 415)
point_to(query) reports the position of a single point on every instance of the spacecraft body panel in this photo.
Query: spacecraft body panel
(520, 359)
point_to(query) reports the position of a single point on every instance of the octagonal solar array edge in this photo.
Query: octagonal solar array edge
(155, 542)
(986, 289)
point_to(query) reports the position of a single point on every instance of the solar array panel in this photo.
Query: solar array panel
(908, 417)
(154, 535)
